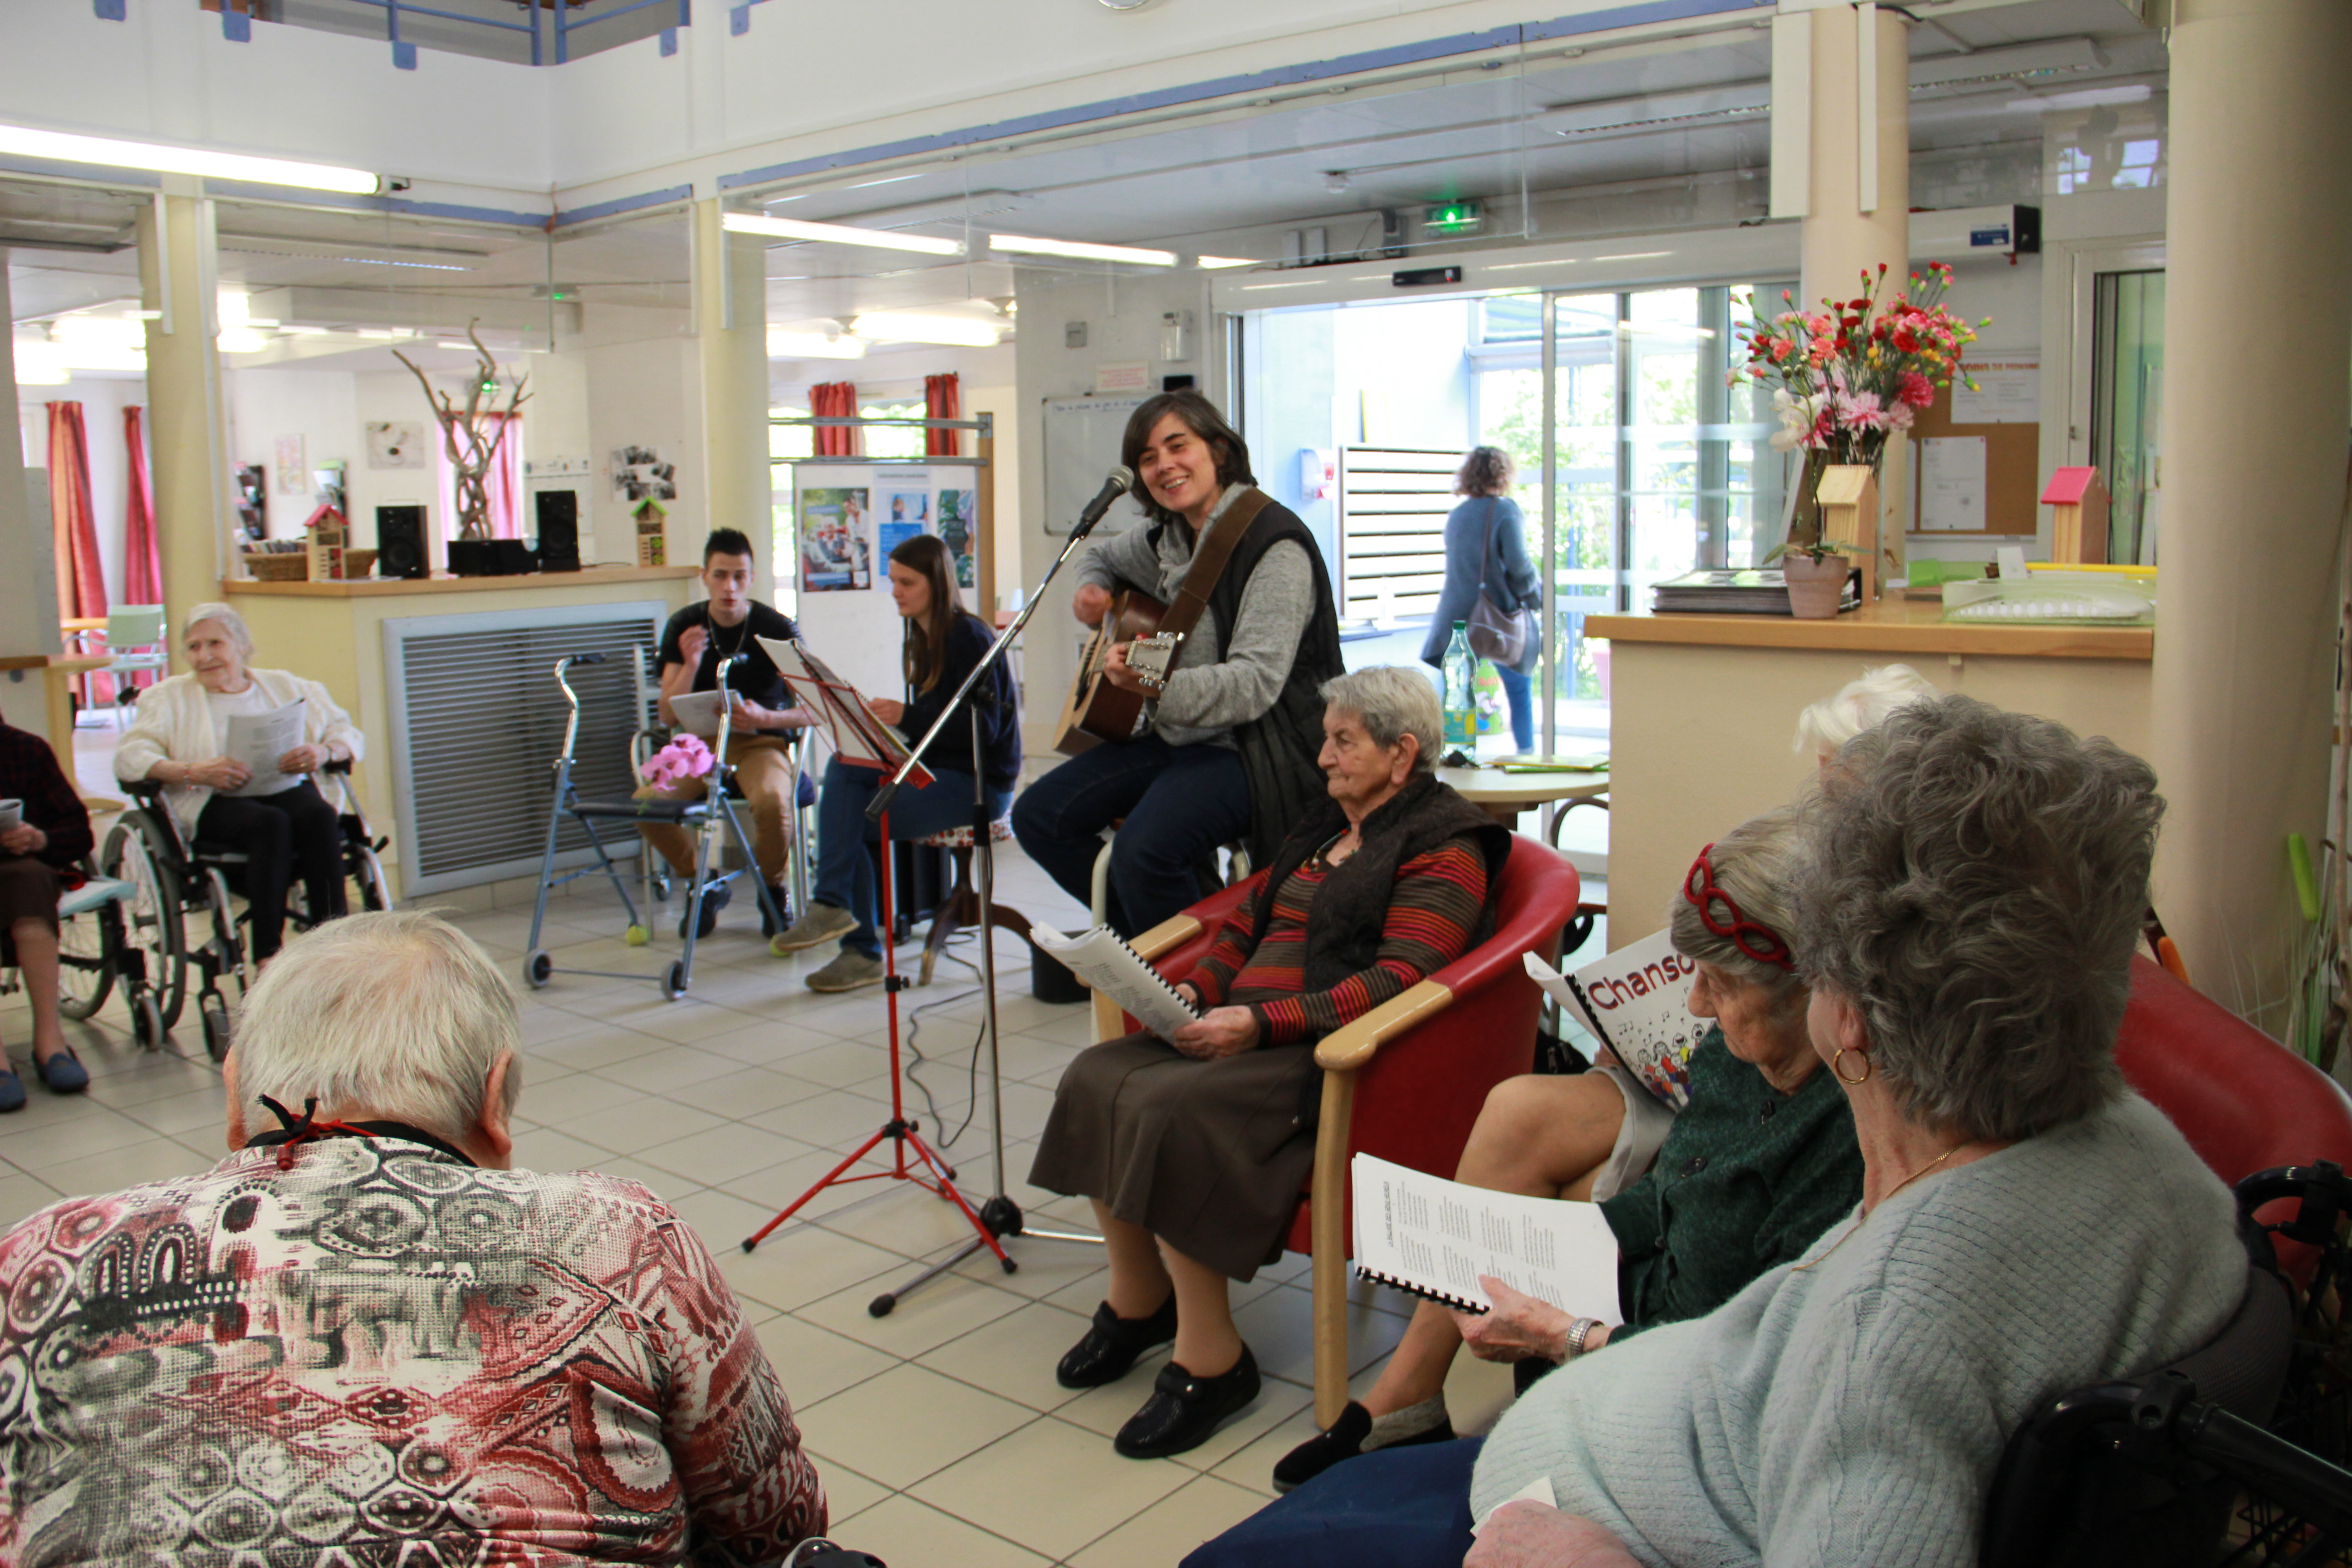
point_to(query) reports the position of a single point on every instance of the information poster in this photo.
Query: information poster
(958, 516)
(2008, 392)
(1952, 484)
(909, 514)
(837, 541)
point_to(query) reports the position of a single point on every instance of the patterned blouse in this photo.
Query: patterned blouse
(383, 1354)
(1435, 907)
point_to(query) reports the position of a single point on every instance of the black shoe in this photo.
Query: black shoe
(716, 896)
(1107, 1352)
(783, 919)
(1183, 1410)
(1343, 1440)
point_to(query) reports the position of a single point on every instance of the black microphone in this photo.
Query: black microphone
(1121, 481)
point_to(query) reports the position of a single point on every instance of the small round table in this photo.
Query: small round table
(1503, 796)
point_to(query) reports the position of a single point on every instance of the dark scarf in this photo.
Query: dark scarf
(1351, 907)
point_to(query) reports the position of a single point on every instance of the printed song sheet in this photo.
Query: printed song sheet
(1436, 1238)
(258, 739)
(1106, 963)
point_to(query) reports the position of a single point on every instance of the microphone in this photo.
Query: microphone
(1121, 481)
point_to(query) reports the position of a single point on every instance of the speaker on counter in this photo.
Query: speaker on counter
(511, 558)
(559, 531)
(400, 542)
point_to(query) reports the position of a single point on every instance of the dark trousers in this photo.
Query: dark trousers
(292, 832)
(845, 875)
(1179, 802)
(1399, 1507)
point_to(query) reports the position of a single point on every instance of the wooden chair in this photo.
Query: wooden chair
(1405, 1081)
(962, 906)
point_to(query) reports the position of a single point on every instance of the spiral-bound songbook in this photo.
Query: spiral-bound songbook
(1433, 1237)
(1106, 963)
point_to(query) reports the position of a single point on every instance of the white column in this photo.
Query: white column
(183, 398)
(2258, 328)
(732, 318)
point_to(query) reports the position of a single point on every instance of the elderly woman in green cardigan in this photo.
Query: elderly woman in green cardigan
(1759, 1165)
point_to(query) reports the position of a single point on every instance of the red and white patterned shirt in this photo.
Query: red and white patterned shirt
(383, 1354)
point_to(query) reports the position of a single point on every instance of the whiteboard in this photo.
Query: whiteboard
(1082, 442)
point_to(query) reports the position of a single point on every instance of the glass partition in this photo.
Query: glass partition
(2126, 398)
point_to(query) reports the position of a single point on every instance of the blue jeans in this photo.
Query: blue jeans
(1179, 803)
(1401, 1508)
(1523, 713)
(844, 871)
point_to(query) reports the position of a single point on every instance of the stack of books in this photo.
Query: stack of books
(1743, 592)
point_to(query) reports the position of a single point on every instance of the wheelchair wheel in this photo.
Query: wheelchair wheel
(674, 980)
(216, 1028)
(537, 968)
(151, 922)
(146, 1023)
(89, 949)
(367, 874)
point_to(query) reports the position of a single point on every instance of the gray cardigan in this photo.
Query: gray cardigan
(1850, 1410)
(1469, 559)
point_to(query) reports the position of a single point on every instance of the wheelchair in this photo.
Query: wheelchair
(178, 920)
(93, 959)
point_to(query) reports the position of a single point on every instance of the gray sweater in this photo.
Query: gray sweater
(1852, 1413)
(1222, 676)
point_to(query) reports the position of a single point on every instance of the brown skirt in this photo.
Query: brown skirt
(1208, 1156)
(28, 891)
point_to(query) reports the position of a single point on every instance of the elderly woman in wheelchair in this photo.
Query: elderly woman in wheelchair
(277, 820)
(46, 834)
(1966, 891)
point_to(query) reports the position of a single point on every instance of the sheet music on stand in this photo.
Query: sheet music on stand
(858, 737)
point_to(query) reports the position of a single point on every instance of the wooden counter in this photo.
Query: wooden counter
(442, 583)
(1892, 626)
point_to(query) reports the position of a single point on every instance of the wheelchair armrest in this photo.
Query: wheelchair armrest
(336, 765)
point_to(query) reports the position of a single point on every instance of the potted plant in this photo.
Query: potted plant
(1846, 381)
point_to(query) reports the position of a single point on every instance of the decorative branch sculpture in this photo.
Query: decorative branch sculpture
(471, 450)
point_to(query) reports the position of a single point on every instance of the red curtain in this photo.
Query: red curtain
(942, 399)
(81, 578)
(835, 400)
(142, 561)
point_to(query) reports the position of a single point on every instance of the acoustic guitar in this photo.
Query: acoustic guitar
(1098, 711)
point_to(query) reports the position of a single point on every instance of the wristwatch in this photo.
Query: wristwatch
(1578, 1332)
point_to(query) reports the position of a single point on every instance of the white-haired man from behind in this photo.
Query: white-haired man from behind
(367, 1308)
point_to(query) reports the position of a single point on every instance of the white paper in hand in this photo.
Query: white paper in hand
(1107, 965)
(1537, 1490)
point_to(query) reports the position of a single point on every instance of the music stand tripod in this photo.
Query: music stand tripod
(862, 741)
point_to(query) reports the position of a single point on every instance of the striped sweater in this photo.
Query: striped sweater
(1438, 898)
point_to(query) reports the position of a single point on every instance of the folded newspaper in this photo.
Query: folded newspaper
(1108, 965)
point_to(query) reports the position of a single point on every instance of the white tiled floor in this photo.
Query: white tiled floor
(942, 1438)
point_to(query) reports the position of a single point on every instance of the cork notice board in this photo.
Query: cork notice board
(2006, 417)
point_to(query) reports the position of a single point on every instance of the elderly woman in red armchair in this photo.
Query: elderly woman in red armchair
(47, 837)
(1194, 1153)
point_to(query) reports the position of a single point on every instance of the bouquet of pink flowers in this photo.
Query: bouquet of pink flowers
(684, 758)
(1848, 377)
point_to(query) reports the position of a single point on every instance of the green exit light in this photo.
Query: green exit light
(1454, 217)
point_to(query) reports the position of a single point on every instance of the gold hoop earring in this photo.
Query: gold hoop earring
(1840, 1076)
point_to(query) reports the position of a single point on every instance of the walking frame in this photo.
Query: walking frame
(706, 818)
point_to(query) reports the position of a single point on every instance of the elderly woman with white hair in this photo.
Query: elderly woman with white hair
(364, 1336)
(1863, 703)
(1194, 1151)
(276, 819)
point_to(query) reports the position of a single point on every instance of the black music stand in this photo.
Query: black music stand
(861, 739)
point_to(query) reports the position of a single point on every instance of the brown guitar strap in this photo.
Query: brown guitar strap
(1215, 547)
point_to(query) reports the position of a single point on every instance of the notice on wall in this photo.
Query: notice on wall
(1131, 376)
(2008, 392)
(1952, 484)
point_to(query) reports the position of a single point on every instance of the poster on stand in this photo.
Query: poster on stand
(836, 544)
(958, 511)
(909, 514)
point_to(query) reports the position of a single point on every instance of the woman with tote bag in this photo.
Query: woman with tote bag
(1491, 584)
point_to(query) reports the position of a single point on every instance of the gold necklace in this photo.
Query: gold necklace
(1800, 1268)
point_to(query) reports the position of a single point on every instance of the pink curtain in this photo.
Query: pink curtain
(942, 399)
(505, 483)
(143, 561)
(835, 400)
(81, 577)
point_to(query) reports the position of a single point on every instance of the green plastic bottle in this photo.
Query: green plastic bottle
(1461, 701)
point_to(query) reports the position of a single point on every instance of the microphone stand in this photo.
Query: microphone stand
(1000, 1213)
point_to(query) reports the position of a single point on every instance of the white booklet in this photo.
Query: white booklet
(258, 739)
(1434, 1238)
(1105, 963)
(1636, 1002)
(698, 712)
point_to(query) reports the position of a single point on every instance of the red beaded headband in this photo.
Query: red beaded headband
(1702, 889)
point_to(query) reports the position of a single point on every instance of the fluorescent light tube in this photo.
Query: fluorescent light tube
(785, 344)
(1211, 263)
(39, 363)
(22, 141)
(240, 340)
(1027, 245)
(839, 234)
(915, 326)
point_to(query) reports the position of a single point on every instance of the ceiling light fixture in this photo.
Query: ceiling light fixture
(24, 142)
(919, 327)
(839, 234)
(1029, 245)
(39, 363)
(240, 340)
(1211, 263)
(785, 343)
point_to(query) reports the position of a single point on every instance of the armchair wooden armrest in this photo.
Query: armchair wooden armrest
(1168, 935)
(1350, 1046)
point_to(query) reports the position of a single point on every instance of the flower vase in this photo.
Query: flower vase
(1816, 584)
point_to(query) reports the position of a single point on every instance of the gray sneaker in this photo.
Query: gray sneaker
(849, 971)
(823, 923)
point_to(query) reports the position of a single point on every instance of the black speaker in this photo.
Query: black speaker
(559, 531)
(471, 558)
(400, 542)
(511, 558)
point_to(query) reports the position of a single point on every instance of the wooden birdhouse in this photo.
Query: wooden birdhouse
(653, 541)
(1848, 494)
(328, 536)
(2078, 514)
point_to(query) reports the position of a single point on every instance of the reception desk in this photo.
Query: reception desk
(1703, 709)
(496, 711)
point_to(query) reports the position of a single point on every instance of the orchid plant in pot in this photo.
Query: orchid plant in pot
(1846, 381)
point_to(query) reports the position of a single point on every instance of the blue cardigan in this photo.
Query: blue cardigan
(1506, 569)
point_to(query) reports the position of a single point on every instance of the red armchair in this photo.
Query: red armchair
(2244, 1102)
(1405, 1081)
